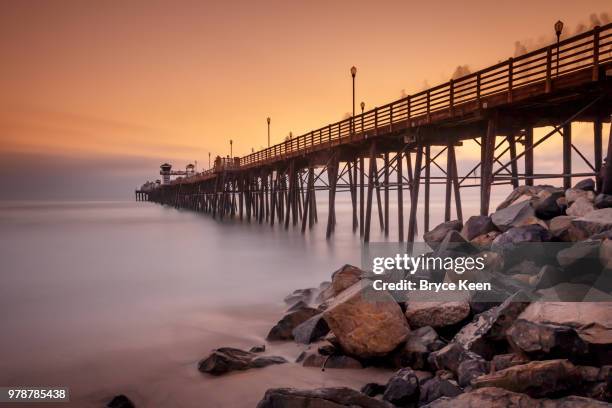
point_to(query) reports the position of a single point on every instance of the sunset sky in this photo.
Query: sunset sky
(96, 94)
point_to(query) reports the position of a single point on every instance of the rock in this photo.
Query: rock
(594, 222)
(436, 235)
(477, 225)
(540, 340)
(415, 351)
(470, 369)
(120, 401)
(503, 361)
(511, 245)
(300, 304)
(509, 217)
(603, 201)
(300, 295)
(549, 276)
(586, 184)
(605, 253)
(436, 314)
(283, 330)
(450, 357)
(332, 361)
(536, 379)
(573, 194)
(311, 330)
(258, 349)
(522, 194)
(366, 322)
(403, 388)
(226, 359)
(592, 321)
(491, 397)
(485, 240)
(438, 387)
(585, 252)
(373, 389)
(581, 207)
(559, 227)
(490, 327)
(343, 278)
(334, 397)
(549, 207)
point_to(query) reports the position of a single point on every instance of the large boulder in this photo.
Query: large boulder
(366, 322)
(522, 194)
(335, 397)
(603, 201)
(436, 314)
(450, 358)
(573, 194)
(226, 359)
(310, 330)
(595, 222)
(438, 387)
(536, 379)
(488, 328)
(313, 359)
(492, 397)
(403, 388)
(513, 215)
(559, 227)
(549, 207)
(581, 207)
(586, 184)
(557, 328)
(415, 351)
(436, 235)
(502, 361)
(580, 253)
(283, 330)
(484, 241)
(343, 278)
(477, 225)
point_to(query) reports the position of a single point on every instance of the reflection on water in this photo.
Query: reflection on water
(110, 297)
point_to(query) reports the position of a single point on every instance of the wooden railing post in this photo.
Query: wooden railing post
(330, 136)
(548, 69)
(451, 97)
(478, 90)
(510, 60)
(596, 53)
(428, 105)
(376, 121)
(391, 118)
(408, 113)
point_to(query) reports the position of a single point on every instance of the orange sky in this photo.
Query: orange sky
(172, 80)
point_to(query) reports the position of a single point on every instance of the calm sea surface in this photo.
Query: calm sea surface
(112, 297)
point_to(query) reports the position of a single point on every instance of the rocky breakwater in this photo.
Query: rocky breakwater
(526, 347)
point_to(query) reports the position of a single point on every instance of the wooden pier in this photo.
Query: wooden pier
(390, 148)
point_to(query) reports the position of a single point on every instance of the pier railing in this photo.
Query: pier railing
(588, 50)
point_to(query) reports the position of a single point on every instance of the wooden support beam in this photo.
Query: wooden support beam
(386, 181)
(488, 152)
(312, 203)
(597, 151)
(449, 175)
(514, 165)
(332, 173)
(400, 196)
(361, 193)
(378, 199)
(529, 156)
(427, 186)
(371, 175)
(456, 186)
(414, 198)
(567, 155)
(607, 178)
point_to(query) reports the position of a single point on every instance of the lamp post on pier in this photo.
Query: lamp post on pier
(208, 160)
(558, 30)
(268, 119)
(353, 74)
(231, 151)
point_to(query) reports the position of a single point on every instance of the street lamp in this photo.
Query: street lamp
(231, 151)
(268, 131)
(208, 160)
(558, 30)
(353, 73)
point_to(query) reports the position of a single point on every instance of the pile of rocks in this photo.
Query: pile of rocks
(521, 351)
